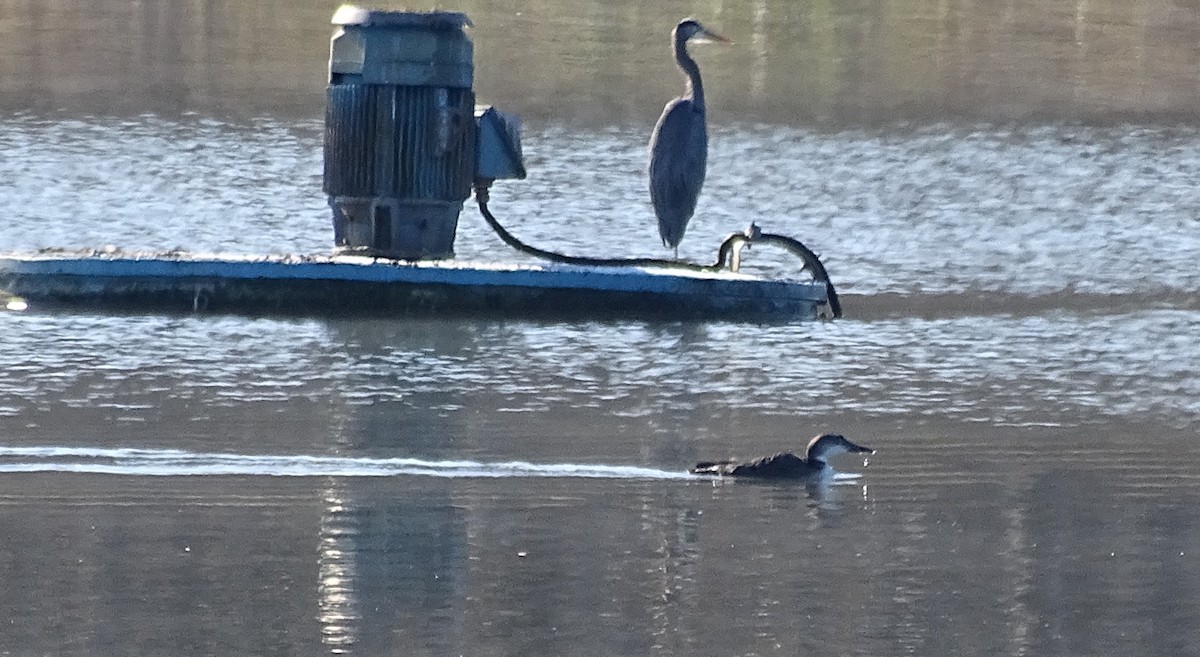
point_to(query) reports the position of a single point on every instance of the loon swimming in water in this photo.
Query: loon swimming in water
(785, 465)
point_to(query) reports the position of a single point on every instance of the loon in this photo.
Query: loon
(785, 465)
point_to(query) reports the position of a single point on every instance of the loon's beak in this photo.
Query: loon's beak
(859, 449)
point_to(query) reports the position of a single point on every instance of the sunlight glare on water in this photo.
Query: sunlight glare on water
(1029, 210)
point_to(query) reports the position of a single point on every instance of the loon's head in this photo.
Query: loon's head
(831, 444)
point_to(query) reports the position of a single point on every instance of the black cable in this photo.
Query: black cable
(811, 262)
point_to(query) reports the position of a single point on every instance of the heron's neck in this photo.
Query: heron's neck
(695, 88)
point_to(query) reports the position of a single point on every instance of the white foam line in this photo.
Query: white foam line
(151, 462)
(89, 452)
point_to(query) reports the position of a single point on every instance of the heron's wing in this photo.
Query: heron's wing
(678, 157)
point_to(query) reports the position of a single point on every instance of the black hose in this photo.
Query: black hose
(811, 262)
(481, 195)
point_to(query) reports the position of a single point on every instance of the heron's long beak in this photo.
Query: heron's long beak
(706, 36)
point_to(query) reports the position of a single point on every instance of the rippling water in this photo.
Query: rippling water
(1019, 345)
(1022, 211)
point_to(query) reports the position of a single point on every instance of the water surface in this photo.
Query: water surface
(1004, 195)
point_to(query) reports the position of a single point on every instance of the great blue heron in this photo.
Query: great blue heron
(679, 144)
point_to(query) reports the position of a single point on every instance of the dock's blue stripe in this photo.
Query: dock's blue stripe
(352, 268)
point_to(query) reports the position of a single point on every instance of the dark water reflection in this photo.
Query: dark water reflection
(1004, 192)
(840, 63)
(1060, 563)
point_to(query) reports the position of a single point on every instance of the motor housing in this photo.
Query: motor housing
(400, 131)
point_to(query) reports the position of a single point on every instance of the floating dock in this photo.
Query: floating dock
(346, 284)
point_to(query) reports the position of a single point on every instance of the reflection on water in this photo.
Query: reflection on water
(852, 61)
(387, 562)
(1019, 345)
(1040, 563)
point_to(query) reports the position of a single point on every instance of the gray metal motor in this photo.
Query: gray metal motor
(400, 131)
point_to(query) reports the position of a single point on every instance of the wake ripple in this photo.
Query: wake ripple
(178, 463)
